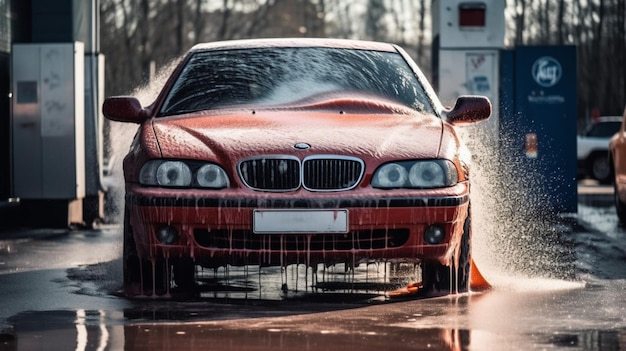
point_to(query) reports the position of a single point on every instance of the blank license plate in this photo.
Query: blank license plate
(300, 221)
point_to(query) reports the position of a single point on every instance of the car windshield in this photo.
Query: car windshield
(266, 77)
(604, 129)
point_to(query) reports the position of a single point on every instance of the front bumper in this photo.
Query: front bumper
(216, 231)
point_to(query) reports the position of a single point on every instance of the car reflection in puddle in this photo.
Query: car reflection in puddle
(493, 320)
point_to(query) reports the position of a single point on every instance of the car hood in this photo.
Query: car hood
(229, 136)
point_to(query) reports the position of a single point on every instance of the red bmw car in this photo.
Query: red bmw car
(273, 152)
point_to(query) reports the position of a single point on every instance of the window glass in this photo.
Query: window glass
(279, 76)
(604, 129)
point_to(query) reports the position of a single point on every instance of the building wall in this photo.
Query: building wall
(14, 26)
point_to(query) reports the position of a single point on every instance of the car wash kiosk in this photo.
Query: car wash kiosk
(532, 90)
(56, 126)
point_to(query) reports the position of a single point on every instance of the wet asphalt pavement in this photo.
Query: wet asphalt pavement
(557, 286)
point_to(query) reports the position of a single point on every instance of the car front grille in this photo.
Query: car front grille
(314, 173)
(271, 173)
(247, 240)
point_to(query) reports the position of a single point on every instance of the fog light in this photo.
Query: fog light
(167, 235)
(434, 234)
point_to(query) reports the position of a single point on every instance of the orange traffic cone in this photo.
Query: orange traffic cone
(410, 289)
(477, 281)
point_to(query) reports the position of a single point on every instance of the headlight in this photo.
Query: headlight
(212, 176)
(183, 174)
(165, 173)
(416, 174)
(391, 175)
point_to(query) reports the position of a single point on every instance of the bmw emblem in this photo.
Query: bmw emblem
(302, 146)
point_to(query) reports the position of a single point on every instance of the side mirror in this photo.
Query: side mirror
(124, 109)
(469, 109)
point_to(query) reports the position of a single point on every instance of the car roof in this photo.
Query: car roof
(295, 42)
(608, 119)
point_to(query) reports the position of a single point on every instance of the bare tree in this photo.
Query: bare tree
(560, 22)
(374, 27)
(421, 29)
(619, 35)
(223, 30)
(180, 25)
(198, 21)
(145, 40)
(520, 21)
(342, 19)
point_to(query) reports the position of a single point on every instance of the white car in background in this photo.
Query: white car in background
(593, 146)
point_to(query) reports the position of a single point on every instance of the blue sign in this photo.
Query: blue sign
(538, 119)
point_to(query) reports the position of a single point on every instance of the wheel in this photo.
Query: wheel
(184, 275)
(440, 278)
(141, 277)
(131, 266)
(463, 270)
(600, 168)
(620, 206)
(435, 278)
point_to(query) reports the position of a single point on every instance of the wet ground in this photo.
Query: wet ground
(558, 285)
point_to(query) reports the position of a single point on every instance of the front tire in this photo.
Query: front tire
(437, 277)
(463, 271)
(141, 277)
(131, 266)
(184, 275)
